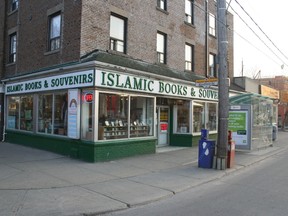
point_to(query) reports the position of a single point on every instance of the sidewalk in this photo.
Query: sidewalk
(38, 183)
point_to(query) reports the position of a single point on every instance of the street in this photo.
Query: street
(260, 189)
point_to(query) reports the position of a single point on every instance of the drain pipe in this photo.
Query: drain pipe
(206, 39)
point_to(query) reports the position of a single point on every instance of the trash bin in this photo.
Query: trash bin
(274, 132)
(206, 153)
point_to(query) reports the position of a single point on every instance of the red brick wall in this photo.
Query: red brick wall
(86, 28)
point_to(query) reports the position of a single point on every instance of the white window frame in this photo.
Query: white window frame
(12, 47)
(206, 116)
(189, 11)
(189, 55)
(117, 43)
(55, 31)
(161, 45)
(212, 24)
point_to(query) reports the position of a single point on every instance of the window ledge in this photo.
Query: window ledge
(190, 24)
(188, 71)
(162, 10)
(213, 36)
(10, 64)
(12, 12)
(51, 52)
(117, 52)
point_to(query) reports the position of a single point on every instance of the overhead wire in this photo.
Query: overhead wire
(247, 40)
(261, 29)
(257, 36)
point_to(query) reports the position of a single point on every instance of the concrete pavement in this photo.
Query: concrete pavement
(35, 182)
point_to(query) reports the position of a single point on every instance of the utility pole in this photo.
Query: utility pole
(223, 88)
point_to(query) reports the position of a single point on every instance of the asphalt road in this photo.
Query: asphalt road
(260, 190)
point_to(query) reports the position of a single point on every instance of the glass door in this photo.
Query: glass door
(163, 125)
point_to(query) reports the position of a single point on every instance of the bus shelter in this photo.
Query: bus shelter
(251, 121)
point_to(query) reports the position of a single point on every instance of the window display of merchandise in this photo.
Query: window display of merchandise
(113, 130)
(139, 129)
(26, 113)
(52, 113)
(204, 116)
(183, 116)
(114, 121)
(20, 113)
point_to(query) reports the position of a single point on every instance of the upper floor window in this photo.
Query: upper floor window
(189, 49)
(161, 47)
(117, 33)
(162, 4)
(189, 10)
(14, 4)
(12, 47)
(212, 65)
(54, 31)
(212, 24)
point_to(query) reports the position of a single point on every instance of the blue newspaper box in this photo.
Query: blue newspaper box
(206, 153)
(204, 134)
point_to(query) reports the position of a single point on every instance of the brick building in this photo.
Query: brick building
(99, 80)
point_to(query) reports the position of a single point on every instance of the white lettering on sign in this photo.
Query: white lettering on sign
(71, 80)
(141, 84)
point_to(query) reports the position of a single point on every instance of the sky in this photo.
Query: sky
(255, 52)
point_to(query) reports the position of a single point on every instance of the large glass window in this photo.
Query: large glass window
(141, 117)
(52, 113)
(204, 116)
(211, 116)
(26, 112)
(13, 112)
(182, 124)
(113, 116)
(115, 120)
(161, 48)
(45, 105)
(117, 33)
(54, 31)
(87, 115)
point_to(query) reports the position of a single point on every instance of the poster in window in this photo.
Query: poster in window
(74, 113)
(11, 122)
(163, 127)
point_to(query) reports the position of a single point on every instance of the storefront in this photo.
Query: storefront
(100, 115)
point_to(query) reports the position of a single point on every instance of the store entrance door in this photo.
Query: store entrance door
(163, 125)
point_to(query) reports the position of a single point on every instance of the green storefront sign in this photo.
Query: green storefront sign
(144, 85)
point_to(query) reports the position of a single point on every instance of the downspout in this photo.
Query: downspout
(206, 39)
(3, 13)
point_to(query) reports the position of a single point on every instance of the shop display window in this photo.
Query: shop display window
(87, 115)
(212, 117)
(52, 113)
(45, 104)
(20, 113)
(141, 116)
(204, 116)
(113, 116)
(26, 113)
(13, 112)
(182, 124)
(115, 120)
